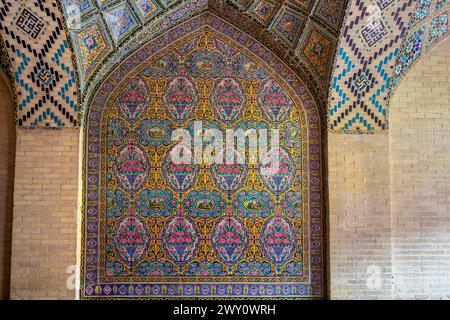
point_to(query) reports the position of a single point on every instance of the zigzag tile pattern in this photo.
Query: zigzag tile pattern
(361, 79)
(428, 26)
(41, 62)
(380, 40)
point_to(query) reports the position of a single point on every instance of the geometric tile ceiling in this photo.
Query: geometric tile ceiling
(57, 52)
(307, 29)
(42, 36)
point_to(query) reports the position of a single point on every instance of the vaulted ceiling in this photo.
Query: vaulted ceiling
(303, 32)
(58, 52)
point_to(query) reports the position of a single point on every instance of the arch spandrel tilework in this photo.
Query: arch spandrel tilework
(380, 40)
(252, 268)
(41, 63)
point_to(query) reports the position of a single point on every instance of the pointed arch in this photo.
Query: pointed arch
(96, 230)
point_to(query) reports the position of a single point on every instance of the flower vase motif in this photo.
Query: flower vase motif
(179, 176)
(131, 239)
(230, 238)
(180, 99)
(228, 100)
(278, 240)
(180, 239)
(229, 177)
(131, 167)
(274, 102)
(134, 100)
(278, 178)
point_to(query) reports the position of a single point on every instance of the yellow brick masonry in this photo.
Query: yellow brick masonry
(390, 195)
(45, 213)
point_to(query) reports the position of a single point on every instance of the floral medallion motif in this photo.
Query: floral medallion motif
(180, 239)
(228, 99)
(180, 99)
(116, 202)
(243, 67)
(131, 239)
(229, 177)
(163, 67)
(131, 167)
(179, 176)
(254, 268)
(134, 100)
(292, 135)
(117, 131)
(206, 64)
(205, 204)
(274, 102)
(278, 240)
(278, 178)
(230, 239)
(254, 204)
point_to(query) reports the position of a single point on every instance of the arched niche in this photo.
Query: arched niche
(137, 204)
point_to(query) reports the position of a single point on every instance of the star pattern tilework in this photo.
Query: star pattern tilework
(121, 21)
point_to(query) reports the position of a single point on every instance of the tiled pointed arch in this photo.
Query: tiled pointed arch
(380, 39)
(42, 36)
(303, 33)
(428, 26)
(96, 281)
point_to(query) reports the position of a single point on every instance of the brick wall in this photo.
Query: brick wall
(359, 220)
(420, 179)
(390, 195)
(45, 213)
(7, 145)
(389, 198)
